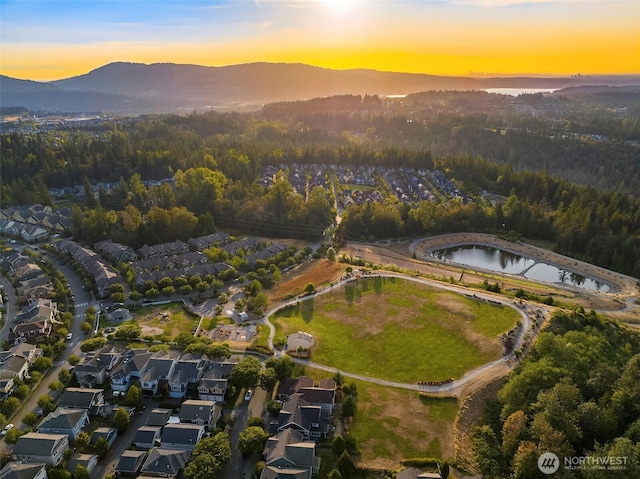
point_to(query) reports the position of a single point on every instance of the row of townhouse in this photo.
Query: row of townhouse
(179, 373)
(33, 283)
(101, 273)
(165, 443)
(170, 438)
(201, 269)
(43, 217)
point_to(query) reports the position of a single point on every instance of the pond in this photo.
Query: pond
(495, 259)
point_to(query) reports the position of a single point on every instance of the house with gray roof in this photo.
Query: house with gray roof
(181, 436)
(215, 382)
(134, 365)
(14, 366)
(413, 473)
(302, 416)
(130, 462)
(65, 421)
(35, 447)
(161, 367)
(163, 462)
(288, 455)
(158, 417)
(94, 367)
(147, 437)
(23, 470)
(110, 434)
(90, 461)
(187, 374)
(83, 398)
(203, 413)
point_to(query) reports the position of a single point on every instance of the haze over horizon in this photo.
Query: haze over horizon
(52, 39)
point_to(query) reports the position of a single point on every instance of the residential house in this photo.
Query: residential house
(23, 470)
(161, 367)
(35, 447)
(28, 272)
(291, 386)
(147, 437)
(181, 436)
(289, 455)
(83, 398)
(323, 397)
(413, 473)
(33, 233)
(29, 351)
(158, 417)
(203, 413)
(215, 382)
(130, 463)
(7, 386)
(65, 421)
(188, 372)
(115, 251)
(90, 461)
(134, 365)
(205, 242)
(94, 367)
(14, 366)
(302, 416)
(110, 434)
(163, 462)
(35, 288)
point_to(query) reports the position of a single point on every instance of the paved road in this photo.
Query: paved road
(109, 463)
(238, 466)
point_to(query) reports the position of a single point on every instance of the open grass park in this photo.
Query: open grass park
(399, 330)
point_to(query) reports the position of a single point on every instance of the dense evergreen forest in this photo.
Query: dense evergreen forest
(576, 394)
(568, 167)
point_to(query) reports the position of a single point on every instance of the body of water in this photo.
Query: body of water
(519, 91)
(495, 259)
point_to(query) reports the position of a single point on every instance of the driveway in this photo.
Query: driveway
(244, 410)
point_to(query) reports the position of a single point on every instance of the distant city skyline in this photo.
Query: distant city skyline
(53, 39)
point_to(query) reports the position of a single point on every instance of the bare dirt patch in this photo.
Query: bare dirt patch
(150, 330)
(319, 272)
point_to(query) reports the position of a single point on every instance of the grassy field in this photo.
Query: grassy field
(395, 424)
(399, 330)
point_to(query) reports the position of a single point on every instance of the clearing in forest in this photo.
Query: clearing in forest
(399, 330)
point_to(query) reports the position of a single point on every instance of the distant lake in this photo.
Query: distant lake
(520, 91)
(495, 259)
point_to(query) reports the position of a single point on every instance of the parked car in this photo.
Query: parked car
(69, 336)
(6, 429)
(247, 396)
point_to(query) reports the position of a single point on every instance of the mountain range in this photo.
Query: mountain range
(161, 87)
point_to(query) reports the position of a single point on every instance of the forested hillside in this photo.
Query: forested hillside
(576, 394)
(567, 168)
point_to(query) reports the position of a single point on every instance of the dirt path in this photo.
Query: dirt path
(471, 381)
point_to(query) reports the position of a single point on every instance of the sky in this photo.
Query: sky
(52, 39)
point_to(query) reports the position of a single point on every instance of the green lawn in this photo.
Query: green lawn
(178, 318)
(399, 330)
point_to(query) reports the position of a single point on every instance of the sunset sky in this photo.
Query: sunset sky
(51, 39)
